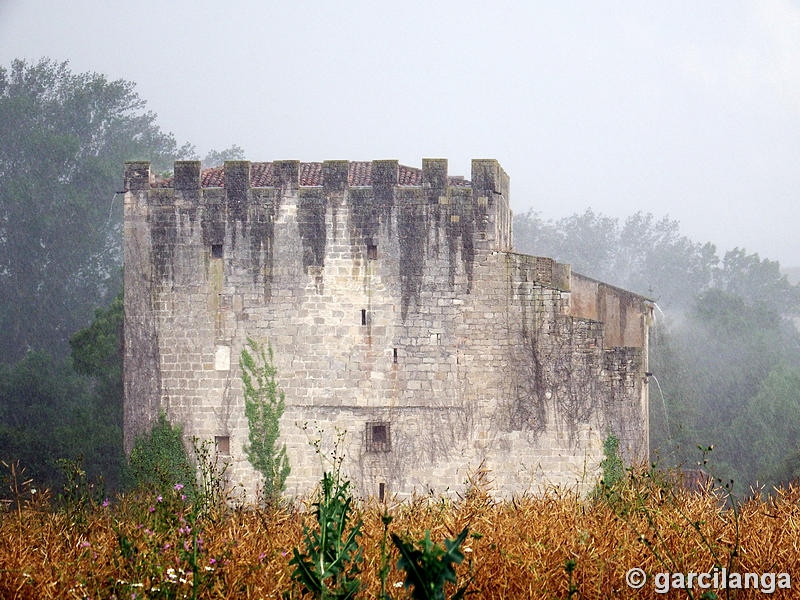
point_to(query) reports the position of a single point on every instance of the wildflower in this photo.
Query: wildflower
(178, 487)
(183, 496)
(263, 555)
(159, 499)
(152, 509)
(467, 549)
(33, 490)
(85, 545)
(209, 568)
(398, 584)
(213, 561)
(167, 546)
(106, 503)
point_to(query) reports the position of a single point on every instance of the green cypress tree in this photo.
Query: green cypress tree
(264, 405)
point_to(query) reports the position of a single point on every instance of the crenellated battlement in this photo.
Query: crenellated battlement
(478, 207)
(330, 174)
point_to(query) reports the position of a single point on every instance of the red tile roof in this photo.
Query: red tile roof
(262, 175)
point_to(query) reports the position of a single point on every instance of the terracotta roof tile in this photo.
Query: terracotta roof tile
(262, 174)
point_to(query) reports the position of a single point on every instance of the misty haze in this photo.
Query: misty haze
(652, 152)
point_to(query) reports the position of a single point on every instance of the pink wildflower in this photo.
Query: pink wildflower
(178, 487)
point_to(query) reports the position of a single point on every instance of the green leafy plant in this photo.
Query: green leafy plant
(159, 460)
(330, 565)
(428, 566)
(264, 406)
(614, 475)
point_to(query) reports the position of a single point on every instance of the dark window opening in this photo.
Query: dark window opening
(372, 252)
(216, 250)
(381, 491)
(378, 437)
(394, 355)
(363, 316)
(223, 444)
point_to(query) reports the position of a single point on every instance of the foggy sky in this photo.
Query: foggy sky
(690, 109)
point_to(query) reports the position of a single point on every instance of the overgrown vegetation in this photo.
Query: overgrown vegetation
(159, 460)
(552, 545)
(264, 404)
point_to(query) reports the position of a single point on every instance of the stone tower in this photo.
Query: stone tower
(396, 310)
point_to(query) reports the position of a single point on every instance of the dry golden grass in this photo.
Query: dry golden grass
(520, 551)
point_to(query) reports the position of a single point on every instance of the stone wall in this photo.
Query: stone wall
(397, 313)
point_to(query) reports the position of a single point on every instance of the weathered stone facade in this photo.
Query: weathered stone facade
(397, 311)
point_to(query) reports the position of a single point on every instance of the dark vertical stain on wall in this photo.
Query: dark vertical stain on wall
(364, 221)
(461, 230)
(311, 223)
(212, 220)
(261, 231)
(163, 235)
(412, 234)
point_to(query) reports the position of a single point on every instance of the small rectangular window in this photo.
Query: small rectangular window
(394, 355)
(372, 252)
(378, 437)
(363, 316)
(223, 444)
(216, 250)
(381, 491)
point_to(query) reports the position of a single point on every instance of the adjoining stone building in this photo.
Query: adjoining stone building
(396, 310)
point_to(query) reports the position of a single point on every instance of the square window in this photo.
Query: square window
(379, 437)
(223, 444)
(216, 250)
(372, 252)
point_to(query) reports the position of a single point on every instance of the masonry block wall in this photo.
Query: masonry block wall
(397, 312)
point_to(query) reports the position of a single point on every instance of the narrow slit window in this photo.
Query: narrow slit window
(381, 491)
(216, 250)
(363, 316)
(372, 252)
(394, 355)
(223, 444)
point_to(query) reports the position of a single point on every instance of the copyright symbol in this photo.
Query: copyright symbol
(635, 578)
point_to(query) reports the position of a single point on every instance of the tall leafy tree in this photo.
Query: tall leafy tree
(216, 158)
(63, 139)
